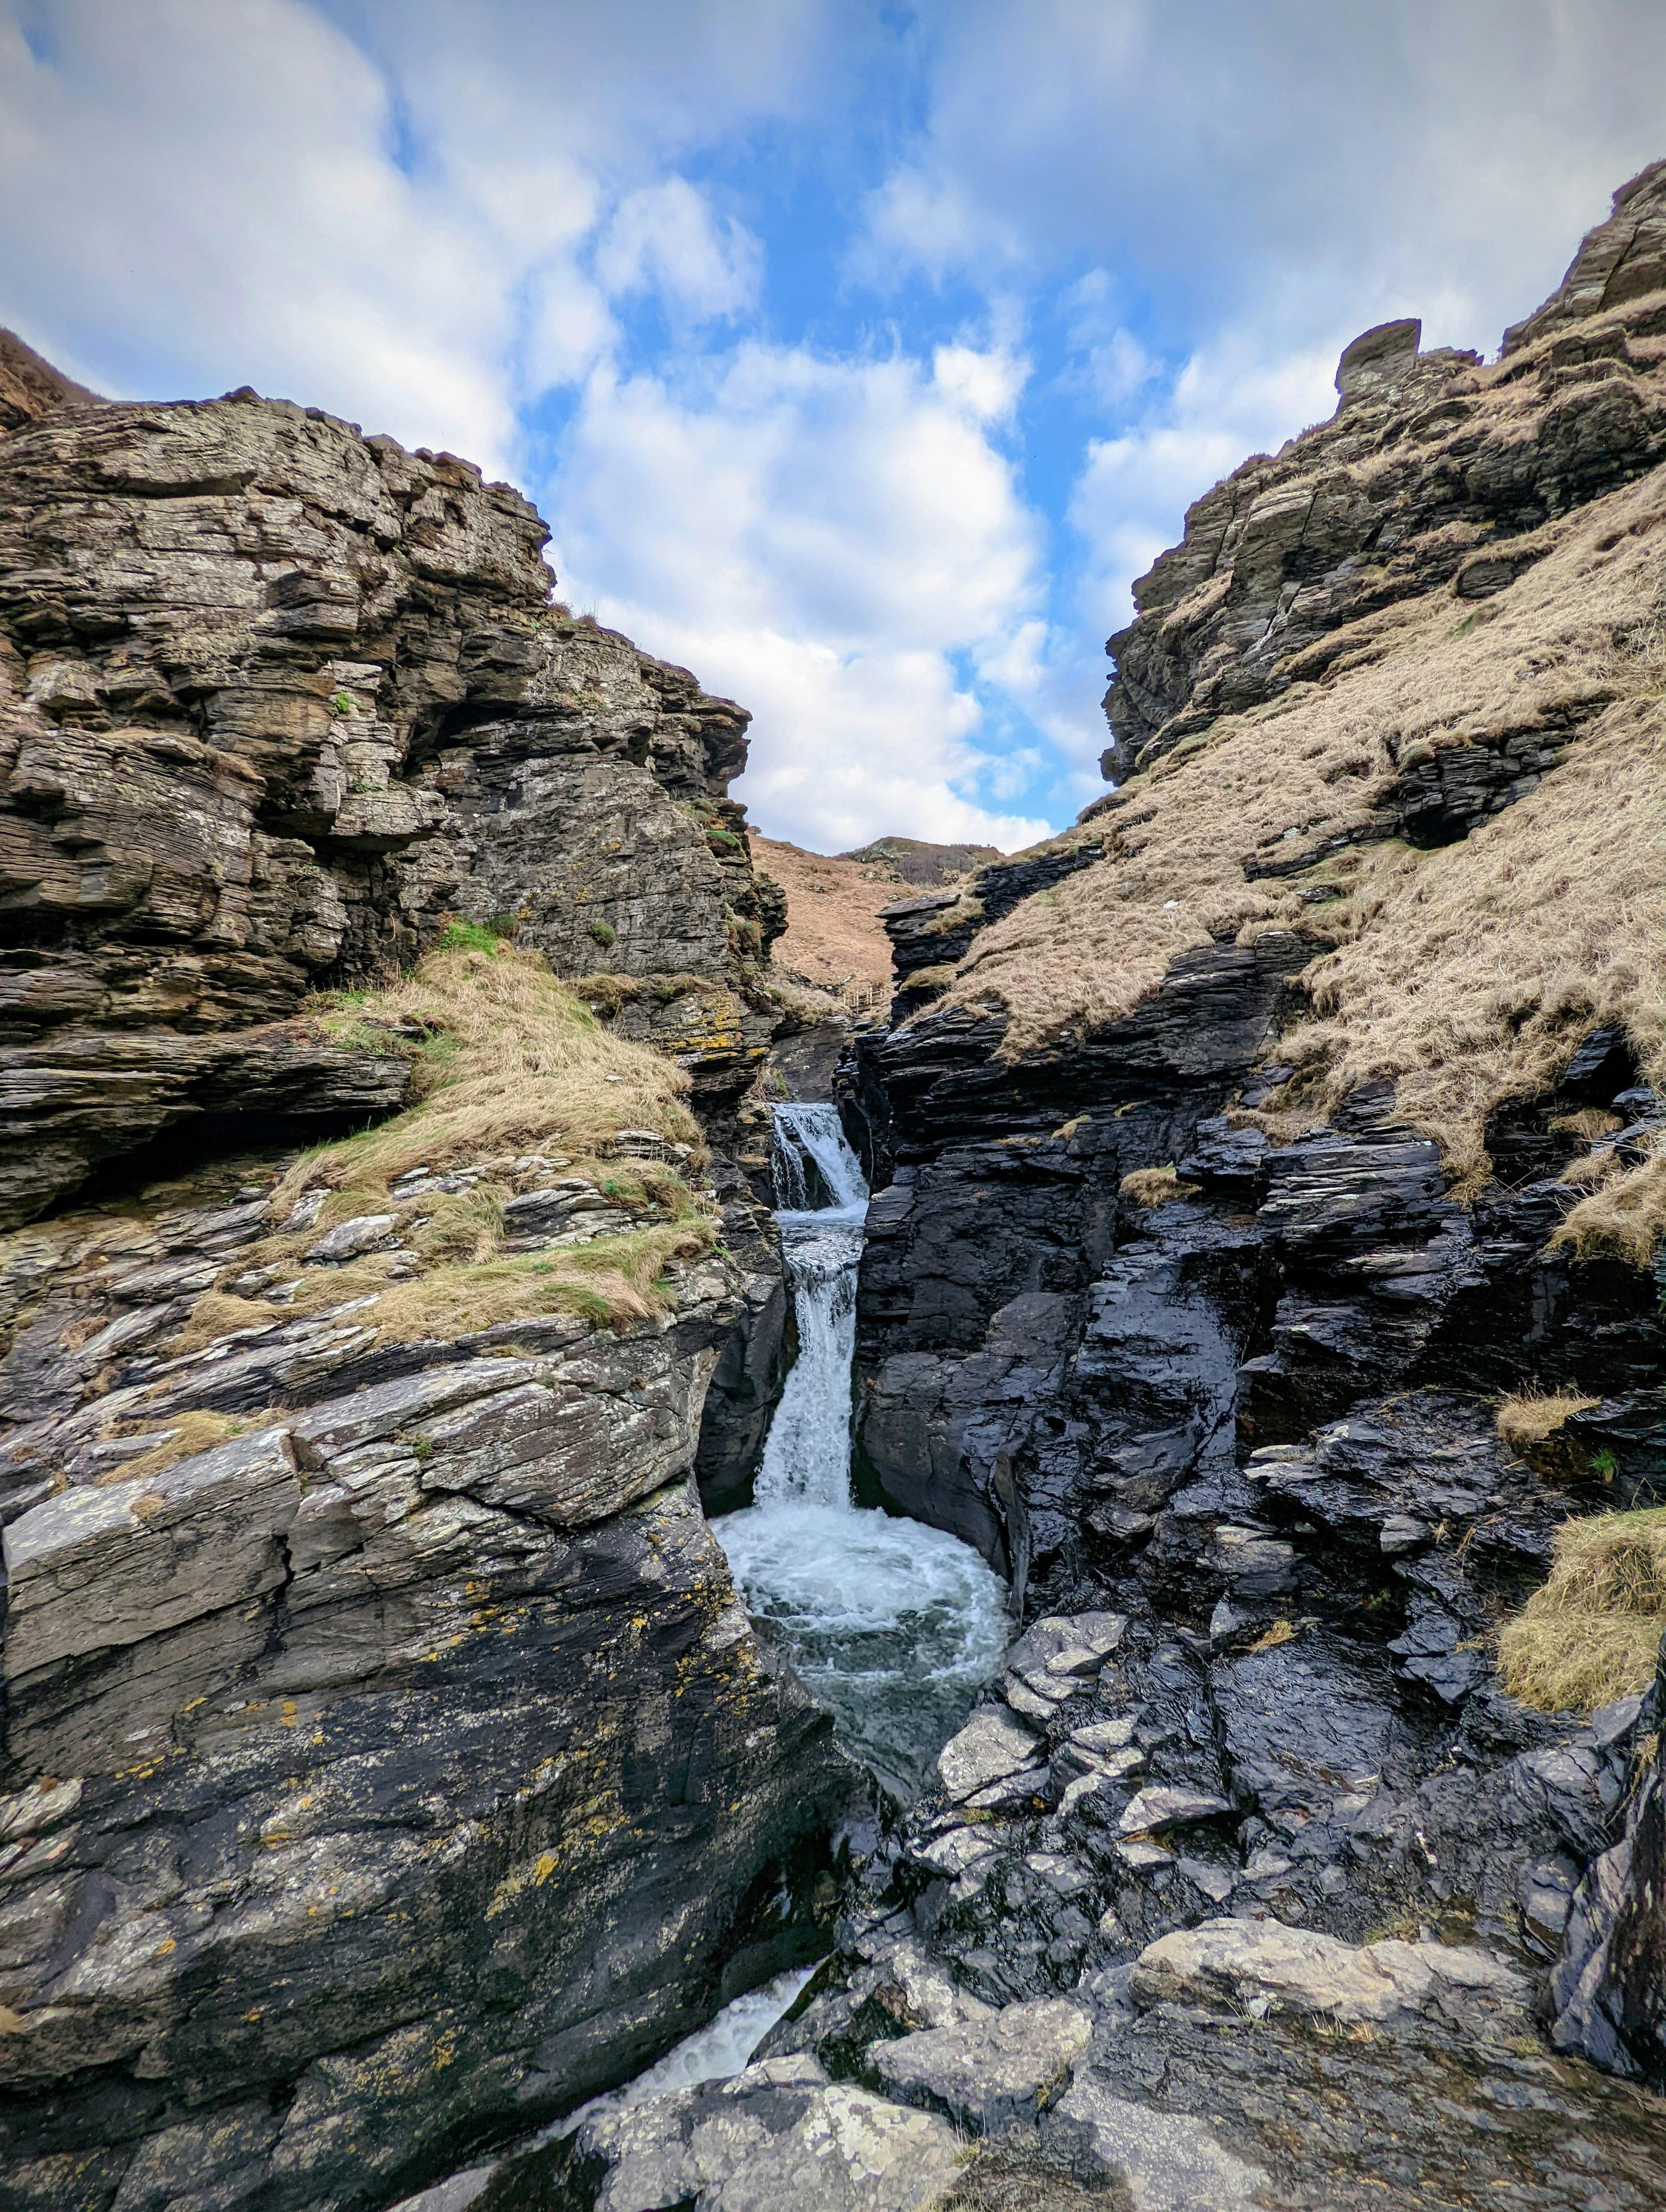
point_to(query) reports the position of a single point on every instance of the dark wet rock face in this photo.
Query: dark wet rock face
(1349, 1922)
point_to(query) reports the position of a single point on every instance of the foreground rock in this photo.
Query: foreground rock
(395, 1769)
(779, 2134)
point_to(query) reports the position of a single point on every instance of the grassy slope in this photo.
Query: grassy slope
(509, 1064)
(1466, 973)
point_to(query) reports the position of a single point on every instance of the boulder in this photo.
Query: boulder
(989, 2074)
(1394, 1984)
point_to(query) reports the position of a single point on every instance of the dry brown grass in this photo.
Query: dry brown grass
(1526, 1418)
(1154, 1185)
(834, 939)
(1625, 1215)
(520, 1064)
(193, 1432)
(1592, 1633)
(1466, 974)
(516, 1065)
(1590, 1123)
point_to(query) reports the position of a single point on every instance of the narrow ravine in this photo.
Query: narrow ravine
(892, 1624)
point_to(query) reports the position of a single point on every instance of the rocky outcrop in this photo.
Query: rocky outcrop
(31, 387)
(388, 1762)
(1434, 472)
(275, 697)
(1205, 1352)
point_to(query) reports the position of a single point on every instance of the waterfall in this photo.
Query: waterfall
(807, 1453)
(810, 1141)
(892, 1624)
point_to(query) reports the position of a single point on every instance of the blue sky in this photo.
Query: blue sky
(859, 355)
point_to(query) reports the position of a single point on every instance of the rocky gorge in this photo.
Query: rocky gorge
(1261, 1272)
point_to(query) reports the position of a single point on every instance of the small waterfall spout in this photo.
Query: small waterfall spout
(807, 1453)
(892, 1624)
(811, 1143)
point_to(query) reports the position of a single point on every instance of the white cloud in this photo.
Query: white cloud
(1452, 148)
(823, 539)
(665, 238)
(984, 385)
(210, 203)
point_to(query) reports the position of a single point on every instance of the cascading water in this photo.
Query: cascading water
(892, 1624)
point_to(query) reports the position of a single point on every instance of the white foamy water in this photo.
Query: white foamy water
(892, 1624)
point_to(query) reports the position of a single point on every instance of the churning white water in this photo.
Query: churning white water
(892, 1624)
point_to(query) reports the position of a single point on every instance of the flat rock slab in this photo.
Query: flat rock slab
(1149, 1809)
(989, 2074)
(349, 1238)
(779, 2137)
(1167, 2161)
(1392, 1984)
(990, 1746)
(93, 1568)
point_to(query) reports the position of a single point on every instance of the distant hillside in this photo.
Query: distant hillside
(834, 936)
(918, 863)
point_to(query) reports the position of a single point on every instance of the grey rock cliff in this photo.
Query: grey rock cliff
(401, 1769)
(275, 697)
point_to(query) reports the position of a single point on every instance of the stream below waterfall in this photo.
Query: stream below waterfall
(892, 1624)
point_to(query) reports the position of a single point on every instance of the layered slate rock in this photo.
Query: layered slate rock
(400, 1768)
(1189, 1348)
(396, 1767)
(780, 2133)
(275, 697)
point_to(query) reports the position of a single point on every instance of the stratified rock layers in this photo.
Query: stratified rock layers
(1163, 1331)
(274, 697)
(401, 1768)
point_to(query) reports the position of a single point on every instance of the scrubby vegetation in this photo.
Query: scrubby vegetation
(1155, 1186)
(1592, 1633)
(1466, 973)
(1526, 1418)
(508, 1065)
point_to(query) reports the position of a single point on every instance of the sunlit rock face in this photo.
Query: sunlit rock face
(275, 697)
(399, 1767)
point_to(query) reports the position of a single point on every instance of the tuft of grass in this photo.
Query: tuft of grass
(1592, 1633)
(194, 1431)
(1155, 1186)
(1531, 1424)
(527, 1068)
(603, 931)
(468, 937)
(1625, 1216)
(1590, 1123)
(1526, 1418)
